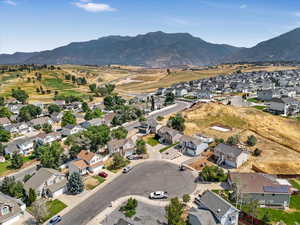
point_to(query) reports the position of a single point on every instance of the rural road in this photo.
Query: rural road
(143, 179)
(180, 105)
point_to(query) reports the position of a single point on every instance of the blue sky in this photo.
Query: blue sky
(34, 25)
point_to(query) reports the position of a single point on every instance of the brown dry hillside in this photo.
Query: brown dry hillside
(275, 128)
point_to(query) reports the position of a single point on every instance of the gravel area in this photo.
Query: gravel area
(145, 215)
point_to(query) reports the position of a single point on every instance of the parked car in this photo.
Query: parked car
(103, 174)
(54, 220)
(158, 195)
(127, 169)
(134, 157)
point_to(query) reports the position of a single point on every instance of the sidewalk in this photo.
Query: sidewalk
(116, 204)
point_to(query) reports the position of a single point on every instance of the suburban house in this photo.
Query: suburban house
(4, 121)
(71, 129)
(231, 156)
(15, 108)
(285, 105)
(180, 92)
(125, 147)
(11, 209)
(213, 210)
(267, 189)
(40, 121)
(78, 166)
(22, 146)
(20, 128)
(56, 117)
(44, 138)
(107, 118)
(148, 126)
(168, 135)
(192, 146)
(93, 122)
(267, 94)
(47, 183)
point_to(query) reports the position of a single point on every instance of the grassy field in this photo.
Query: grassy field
(152, 141)
(278, 137)
(5, 166)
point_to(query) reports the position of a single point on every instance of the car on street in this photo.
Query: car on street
(54, 220)
(158, 195)
(103, 174)
(134, 157)
(127, 169)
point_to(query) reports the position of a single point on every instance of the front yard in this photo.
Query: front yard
(167, 147)
(152, 141)
(53, 207)
(93, 182)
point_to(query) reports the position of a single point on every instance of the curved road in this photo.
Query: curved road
(143, 179)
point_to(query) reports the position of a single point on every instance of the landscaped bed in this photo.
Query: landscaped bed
(152, 141)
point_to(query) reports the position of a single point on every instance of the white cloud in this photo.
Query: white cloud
(244, 6)
(9, 2)
(93, 7)
(179, 21)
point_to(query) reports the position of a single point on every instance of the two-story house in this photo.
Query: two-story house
(71, 129)
(213, 210)
(22, 146)
(168, 135)
(285, 105)
(44, 138)
(86, 162)
(192, 146)
(231, 156)
(125, 147)
(47, 183)
(40, 121)
(11, 209)
(267, 189)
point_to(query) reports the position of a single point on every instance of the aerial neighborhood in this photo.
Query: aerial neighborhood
(76, 147)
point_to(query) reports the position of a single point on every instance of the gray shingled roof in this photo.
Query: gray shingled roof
(13, 203)
(229, 150)
(214, 203)
(204, 216)
(40, 177)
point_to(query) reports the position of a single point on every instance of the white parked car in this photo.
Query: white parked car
(127, 169)
(158, 195)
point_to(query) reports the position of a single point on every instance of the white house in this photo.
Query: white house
(71, 129)
(213, 210)
(45, 138)
(125, 147)
(192, 146)
(47, 183)
(86, 162)
(285, 105)
(231, 156)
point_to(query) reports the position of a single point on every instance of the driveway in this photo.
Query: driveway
(143, 179)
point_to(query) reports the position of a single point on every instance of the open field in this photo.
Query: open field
(128, 79)
(278, 137)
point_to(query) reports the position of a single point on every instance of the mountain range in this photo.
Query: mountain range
(159, 49)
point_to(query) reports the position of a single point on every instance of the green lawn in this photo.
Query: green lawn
(259, 107)
(254, 100)
(57, 83)
(4, 167)
(278, 215)
(54, 207)
(152, 141)
(167, 147)
(295, 184)
(295, 202)
(99, 179)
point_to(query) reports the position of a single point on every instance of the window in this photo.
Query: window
(5, 210)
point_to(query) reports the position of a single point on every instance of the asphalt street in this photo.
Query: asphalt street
(143, 179)
(180, 105)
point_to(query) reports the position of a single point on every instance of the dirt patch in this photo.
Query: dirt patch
(90, 183)
(277, 137)
(283, 168)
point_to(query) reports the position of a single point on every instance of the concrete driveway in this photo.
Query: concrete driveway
(143, 179)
